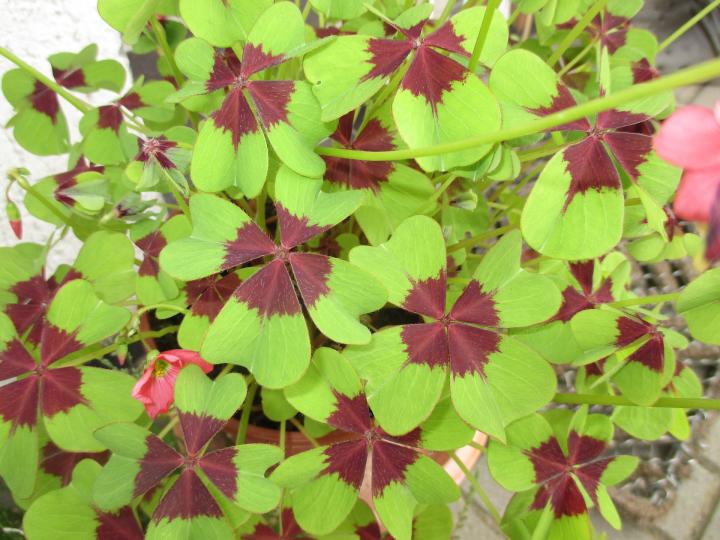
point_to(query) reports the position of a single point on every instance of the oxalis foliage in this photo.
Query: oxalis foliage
(369, 223)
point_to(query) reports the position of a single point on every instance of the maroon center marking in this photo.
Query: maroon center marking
(109, 117)
(590, 168)
(222, 74)
(386, 56)
(198, 430)
(431, 74)
(61, 390)
(475, 306)
(351, 414)
(348, 460)
(208, 296)
(120, 525)
(19, 402)
(57, 462)
(470, 349)
(56, 344)
(294, 230)
(563, 100)
(427, 297)
(630, 149)
(271, 99)
(255, 60)
(187, 498)
(221, 470)
(158, 462)
(15, 360)
(446, 38)
(270, 291)
(235, 116)
(312, 273)
(250, 243)
(389, 464)
(156, 149)
(69, 78)
(131, 101)
(614, 119)
(426, 344)
(45, 101)
(33, 297)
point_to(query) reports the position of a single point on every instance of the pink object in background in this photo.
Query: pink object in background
(156, 388)
(690, 138)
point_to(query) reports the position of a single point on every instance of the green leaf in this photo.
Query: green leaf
(699, 304)
(107, 260)
(197, 395)
(222, 23)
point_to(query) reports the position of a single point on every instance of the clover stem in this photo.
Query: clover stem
(701, 72)
(579, 56)
(663, 402)
(161, 38)
(474, 240)
(688, 25)
(514, 16)
(541, 152)
(446, 11)
(23, 183)
(76, 102)
(180, 200)
(443, 188)
(477, 488)
(643, 300)
(304, 432)
(283, 426)
(260, 209)
(245, 416)
(576, 31)
(171, 424)
(543, 525)
(492, 5)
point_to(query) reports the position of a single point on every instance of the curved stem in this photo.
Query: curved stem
(643, 300)
(685, 77)
(688, 25)
(492, 5)
(171, 424)
(576, 31)
(474, 240)
(73, 100)
(663, 402)
(245, 416)
(304, 432)
(477, 488)
(23, 183)
(572, 63)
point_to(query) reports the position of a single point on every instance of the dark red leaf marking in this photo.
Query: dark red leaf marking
(643, 72)
(630, 330)
(386, 56)
(235, 116)
(15, 360)
(222, 73)
(553, 473)
(19, 402)
(431, 74)
(271, 99)
(371, 531)
(207, 296)
(356, 174)
(426, 344)
(470, 348)
(156, 149)
(68, 179)
(151, 245)
(131, 101)
(294, 230)
(121, 525)
(563, 100)
(158, 462)
(590, 167)
(198, 430)
(57, 462)
(575, 301)
(56, 344)
(249, 244)
(412, 438)
(45, 101)
(312, 273)
(255, 59)
(611, 30)
(427, 297)
(712, 242)
(221, 470)
(614, 119)
(351, 414)
(270, 291)
(290, 529)
(583, 272)
(475, 306)
(33, 297)
(651, 354)
(413, 32)
(595, 369)
(61, 390)
(187, 498)
(446, 38)
(348, 460)
(69, 78)
(109, 117)
(389, 464)
(630, 149)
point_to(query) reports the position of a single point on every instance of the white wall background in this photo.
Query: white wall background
(34, 29)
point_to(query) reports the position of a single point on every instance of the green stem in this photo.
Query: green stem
(663, 402)
(86, 354)
(446, 12)
(538, 153)
(572, 63)
(477, 488)
(514, 16)
(73, 100)
(180, 201)
(23, 183)
(260, 209)
(161, 37)
(283, 427)
(171, 424)
(643, 300)
(576, 31)
(171, 307)
(304, 432)
(685, 77)
(543, 525)
(688, 25)
(492, 5)
(474, 240)
(245, 416)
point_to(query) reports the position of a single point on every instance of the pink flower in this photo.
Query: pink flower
(155, 389)
(690, 139)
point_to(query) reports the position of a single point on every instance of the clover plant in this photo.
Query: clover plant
(377, 234)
